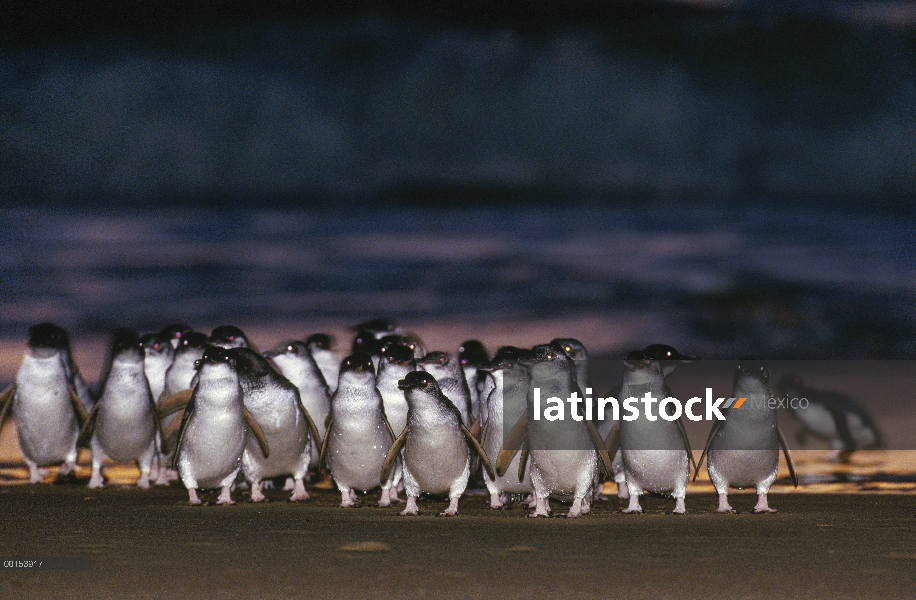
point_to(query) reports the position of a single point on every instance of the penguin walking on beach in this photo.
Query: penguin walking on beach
(510, 380)
(563, 452)
(656, 454)
(47, 409)
(743, 450)
(275, 404)
(123, 424)
(297, 364)
(436, 445)
(359, 435)
(214, 429)
(831, 416)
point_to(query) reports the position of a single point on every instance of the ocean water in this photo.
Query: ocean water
(780, 282)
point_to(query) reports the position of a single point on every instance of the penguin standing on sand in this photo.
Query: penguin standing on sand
(297, 364)
(831, 416)
(123, 424)
(510, 380)
(359, 435)
(437, 446)
(743, 450)
(656, 453)
(214, 429)
(563, 452)
(274, 403)
(47, 409)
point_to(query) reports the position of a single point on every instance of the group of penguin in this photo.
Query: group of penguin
(214, 413)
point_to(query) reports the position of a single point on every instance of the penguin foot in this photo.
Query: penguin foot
(679, 508)
(38, 474)
(496, 502)
(683, 511)
(299, 493)
(412, 509)
(289, 485)
(631, 511)
(193, 500)
(225, 497)
(452, 509)
(96, 481)
(727, 510)
(538, 515)
(762, 506)
(764, 511)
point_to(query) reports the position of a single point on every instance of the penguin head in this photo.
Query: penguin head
(229, 336)
(249, 363)
(48, 339)
(359, 362)
(418, 380)
(397, 354)
(752, 374)
(573, 348)
(174, 333)
(319, 341)
(215, 355)
(157, 345)
(511, 353)
(442, 359)
(668, 356)
(365, 342)
(192, 341)
(473, 352)
(127, 346)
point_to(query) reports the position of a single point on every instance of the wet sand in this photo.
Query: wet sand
(150, 544)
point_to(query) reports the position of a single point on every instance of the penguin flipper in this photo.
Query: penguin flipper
(523, 461)
(6, 401)
(174, 403)
(313, 429)
(388, 427)
(329, 423)
(188, 411)
(785, 450)
(712, 432)
(680, 427)
(78, 407)
(512, 444)
(258, 434)
(598, 442)
(88, 427)
(393, 455)
(475, 445)
(475, 429)
(170, 435)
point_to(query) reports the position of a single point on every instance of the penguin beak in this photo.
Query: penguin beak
(403, 385)
(271, 353)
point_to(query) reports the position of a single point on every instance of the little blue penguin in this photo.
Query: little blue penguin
(359, 435)
(563, 452)
(395, 363)
(123, 424)
(229, 336)
(831, 416)
(436, 445)
(158, 356)
(297, 364)
(46, 407)
(656, 453)
(510, 380)
(472, 355)
(214, 429)
(743, 450)
(274, 403)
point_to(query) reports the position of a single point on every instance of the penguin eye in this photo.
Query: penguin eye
(568, 348)
(156, 346)
(549, 356)
(196, 364)
(231, 338)
(442, 360)
(412, 346)
(290, 349)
